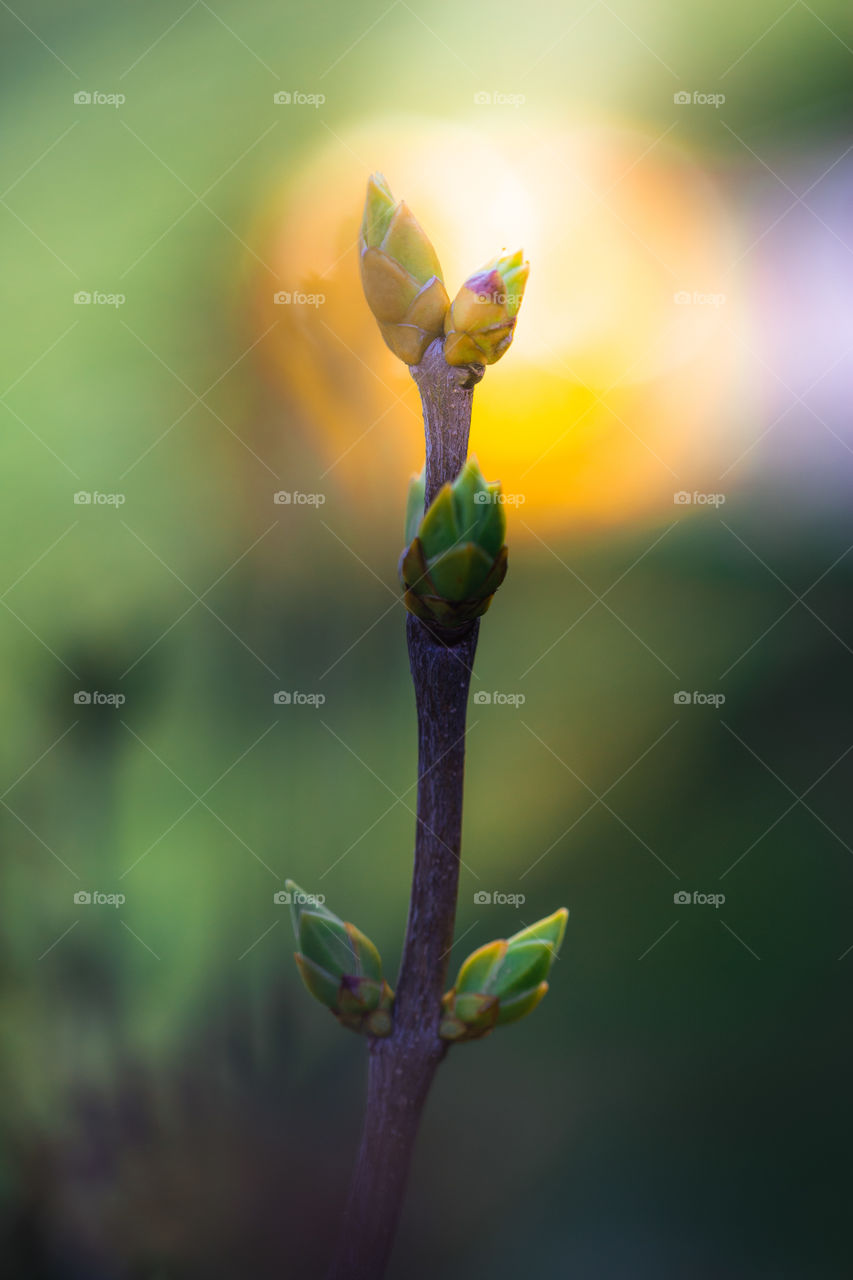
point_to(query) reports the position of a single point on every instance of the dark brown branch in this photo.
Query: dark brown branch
(402, 1065)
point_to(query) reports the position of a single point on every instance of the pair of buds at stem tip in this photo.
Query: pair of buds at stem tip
(497, 984)
(405, 290)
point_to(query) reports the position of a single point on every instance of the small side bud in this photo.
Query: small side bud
(415, 501)
(340, 966)
(502, 981)
(456, 558)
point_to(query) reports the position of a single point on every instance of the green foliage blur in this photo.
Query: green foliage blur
(173, 1104)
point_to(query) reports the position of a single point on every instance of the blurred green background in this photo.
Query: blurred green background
(173, 1104)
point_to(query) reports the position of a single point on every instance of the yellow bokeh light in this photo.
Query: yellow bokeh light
(612, 396)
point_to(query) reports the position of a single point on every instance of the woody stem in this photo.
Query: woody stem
(403, 1064)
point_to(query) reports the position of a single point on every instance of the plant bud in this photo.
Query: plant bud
(482, 317)
(457, 558)
(340, 966)
(502, 981)
(400, 274)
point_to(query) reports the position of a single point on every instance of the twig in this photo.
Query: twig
(403, 1064)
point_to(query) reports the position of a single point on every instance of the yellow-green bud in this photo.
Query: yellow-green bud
(502, 981)
(482, 317)
(401, 274)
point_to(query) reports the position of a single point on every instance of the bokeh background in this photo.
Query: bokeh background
(673, 422)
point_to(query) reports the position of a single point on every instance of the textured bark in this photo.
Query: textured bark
(447, 393)
(441, 674)
(402, 1065)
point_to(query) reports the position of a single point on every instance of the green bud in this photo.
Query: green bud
(401, 274)
(415, 505)
(502, 981)
(301, 901)
(522, 968)
(481, 321)
(516, 1007)
(467, 1017)
(551, 929)
(480, 965)
(340, 966)
(322, 985)
(456, 558)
